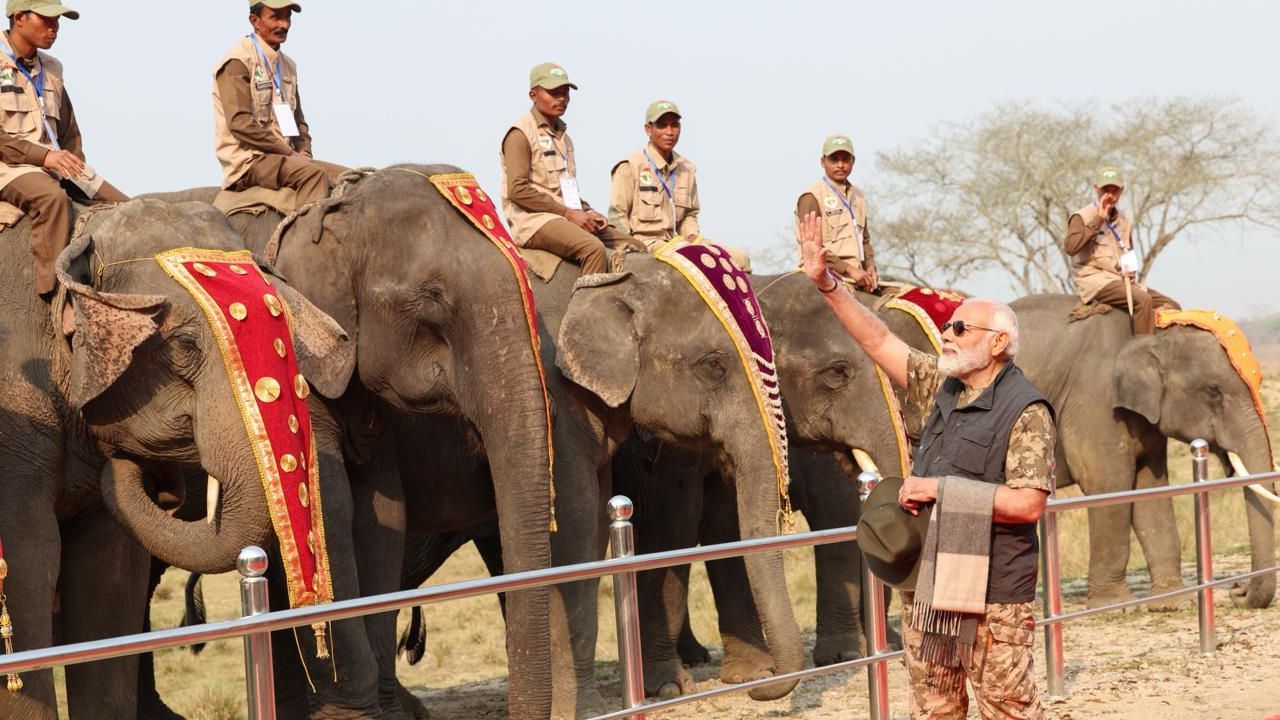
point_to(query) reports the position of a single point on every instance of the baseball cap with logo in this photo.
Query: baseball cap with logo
(658, 108)
(43, 8)
(835, 144)
(277, 4)
(549, 76)
(1109, 176)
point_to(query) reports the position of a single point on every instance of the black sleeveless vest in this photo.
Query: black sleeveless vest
(972, 442)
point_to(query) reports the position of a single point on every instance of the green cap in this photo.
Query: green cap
(1109, 176)
(658, 108)
(43, 8)
(549, 76)
(891, 538)
(835, 144)
(277, 4)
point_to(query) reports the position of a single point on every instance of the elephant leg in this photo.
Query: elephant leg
(829, 499)
(378, 529)
(746, 654)
(32, 551)
(97, 605)
(574, 606)
(1157, 531)
(150, 705)
(689, 648)
(1108, 526)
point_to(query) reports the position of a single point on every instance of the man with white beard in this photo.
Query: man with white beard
(986, 424)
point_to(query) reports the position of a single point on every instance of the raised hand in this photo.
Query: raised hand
(812, 252)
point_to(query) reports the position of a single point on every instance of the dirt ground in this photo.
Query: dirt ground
(1119, 665)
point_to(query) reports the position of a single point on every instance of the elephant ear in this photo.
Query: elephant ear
(321, 278)
(326, 355)
(1138, 378)
(598, 348)
(109, 326)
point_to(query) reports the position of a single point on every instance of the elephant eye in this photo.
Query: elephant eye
(836, 375)
(712, 368)
(1213, 392)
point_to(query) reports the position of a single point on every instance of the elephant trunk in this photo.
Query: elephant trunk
(1257, 458)
(512, 421)
(758, 516)
(196, 545)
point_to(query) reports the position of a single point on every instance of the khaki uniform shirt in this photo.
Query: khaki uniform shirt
(1095, 252)
(640, 205)
(245, 123)
(24, 141)
(847, 239)
(1033, 440)
(536, 154)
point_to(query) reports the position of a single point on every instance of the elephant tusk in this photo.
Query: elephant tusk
(212, 491)
(1238, 466)
(864, 461)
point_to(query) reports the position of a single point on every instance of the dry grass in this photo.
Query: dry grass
(466, 638)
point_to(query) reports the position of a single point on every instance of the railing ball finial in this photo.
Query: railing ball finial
(252, 562)
(867, 481)
(1199, 448)
(620, 508)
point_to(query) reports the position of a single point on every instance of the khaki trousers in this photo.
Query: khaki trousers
(564, 239)
(48, 207)
(311, 179)
(1145, 303)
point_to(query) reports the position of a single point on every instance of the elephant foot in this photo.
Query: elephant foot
(1253, 597)
(1183, 602)
(410, 705)
(691, 652)
(1108, 596)
(668, 680)
(577, 699)
(832, 649)
(744, 661)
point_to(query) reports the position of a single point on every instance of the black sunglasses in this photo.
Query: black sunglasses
(959, 327)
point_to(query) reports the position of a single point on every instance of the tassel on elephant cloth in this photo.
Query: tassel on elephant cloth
(726, 290)
(252, 326)
(14, 683)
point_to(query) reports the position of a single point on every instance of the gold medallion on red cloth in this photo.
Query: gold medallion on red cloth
(252, 327)
(464, 193)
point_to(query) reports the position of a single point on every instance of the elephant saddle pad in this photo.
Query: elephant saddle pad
(256, 200)
(930, 308)
(252, 327)
(1233, 341)
(728, 293)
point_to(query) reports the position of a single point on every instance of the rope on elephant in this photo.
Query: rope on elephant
(344, 182)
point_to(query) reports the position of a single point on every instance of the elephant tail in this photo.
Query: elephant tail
(193, 606)
(413, 641)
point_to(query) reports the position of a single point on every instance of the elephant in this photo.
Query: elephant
(1119, 398)
(636, 348)
(99, 423)
(437, 327)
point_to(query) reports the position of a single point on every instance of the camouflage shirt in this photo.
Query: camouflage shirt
(1032, 442)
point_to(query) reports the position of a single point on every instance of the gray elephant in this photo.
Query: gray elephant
(1119, 398)
(437, 324)
(636, 348)
(97, 424)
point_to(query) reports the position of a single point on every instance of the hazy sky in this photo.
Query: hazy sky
(760, 85)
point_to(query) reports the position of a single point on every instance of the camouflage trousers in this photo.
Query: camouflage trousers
(1000, 670)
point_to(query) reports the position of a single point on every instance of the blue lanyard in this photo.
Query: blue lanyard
(843, 201)
(1112, 228)
(277, 79)
(669, 189)
(38, 84)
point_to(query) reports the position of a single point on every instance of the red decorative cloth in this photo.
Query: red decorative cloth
(940, 305)
(464, 193)
(252, 327)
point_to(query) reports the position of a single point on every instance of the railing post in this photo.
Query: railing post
(1204, 547)
(626, 605)
(259, 684)
(1055, 670)
(874, 613)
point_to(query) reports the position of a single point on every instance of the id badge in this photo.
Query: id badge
(1129, 261)
(284, 118)
(569, 192)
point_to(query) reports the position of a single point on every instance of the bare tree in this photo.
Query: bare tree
(996, 193)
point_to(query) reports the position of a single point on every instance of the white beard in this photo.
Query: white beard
(964, 362)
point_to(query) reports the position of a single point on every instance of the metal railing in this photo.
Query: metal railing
(256, 622)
